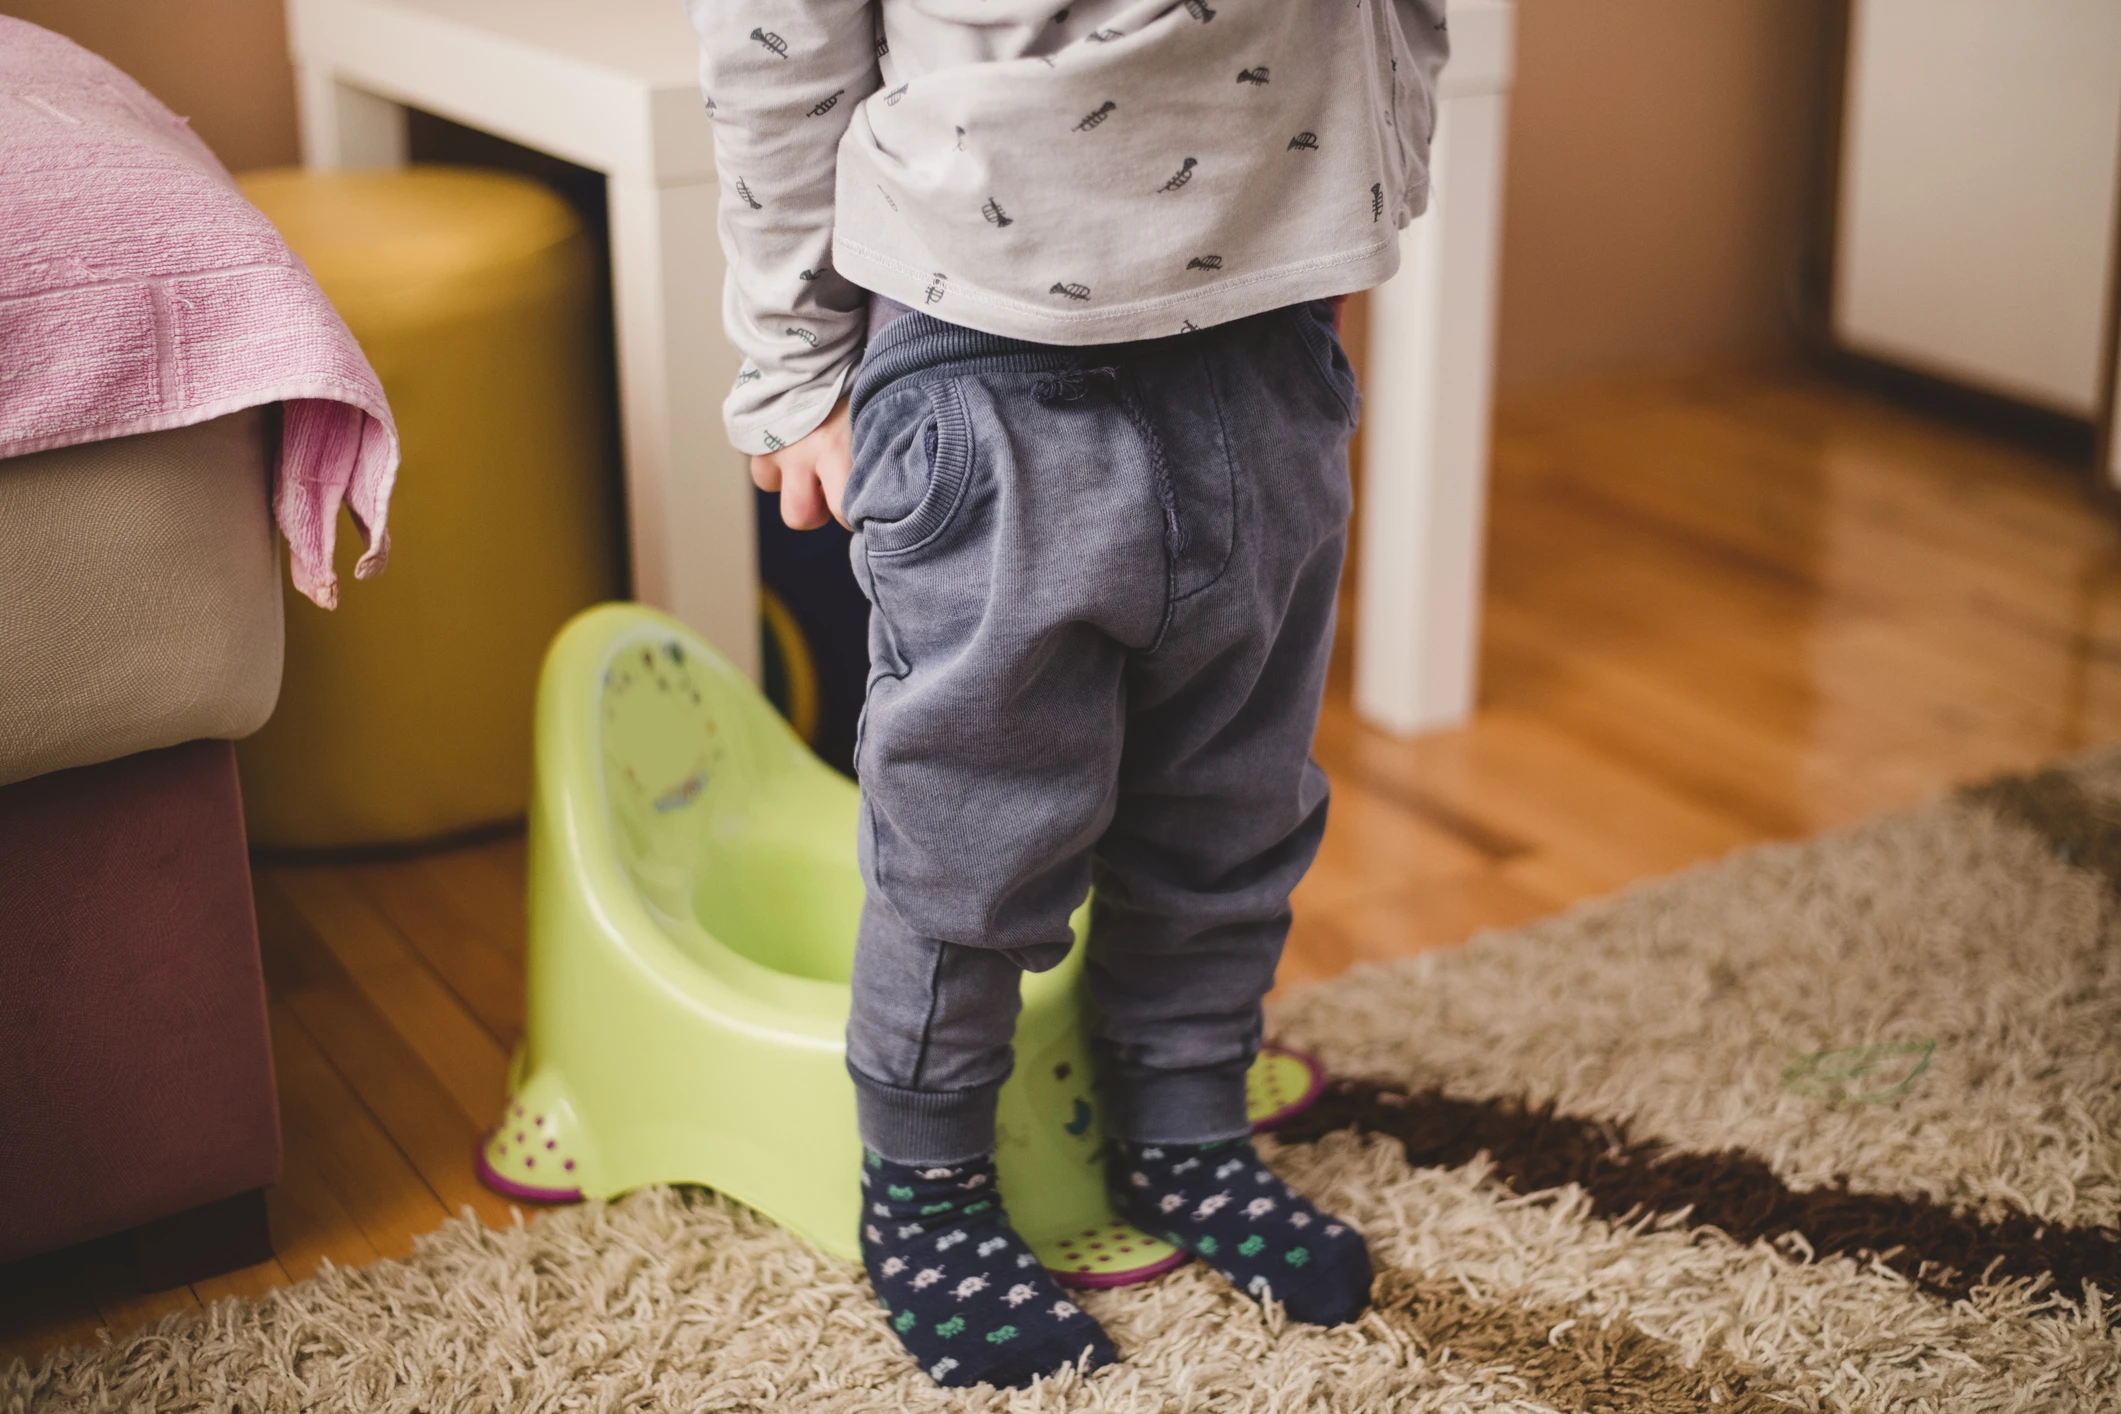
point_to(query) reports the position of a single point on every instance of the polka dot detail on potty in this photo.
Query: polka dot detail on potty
(528, 1157)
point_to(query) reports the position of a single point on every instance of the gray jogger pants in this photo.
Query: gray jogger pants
(1103, 586)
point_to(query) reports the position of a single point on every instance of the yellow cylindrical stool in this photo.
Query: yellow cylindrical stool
(405, 714)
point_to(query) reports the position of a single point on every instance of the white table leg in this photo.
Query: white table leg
(688, 492)
(2113, 406)
(346, 127)
(1425, 440)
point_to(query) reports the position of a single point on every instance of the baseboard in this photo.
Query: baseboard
(2052, 434)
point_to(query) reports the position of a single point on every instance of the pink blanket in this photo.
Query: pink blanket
(140, 291)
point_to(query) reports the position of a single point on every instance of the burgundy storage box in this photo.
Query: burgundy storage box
(136, 1073)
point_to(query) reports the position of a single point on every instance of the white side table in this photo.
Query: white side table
(1428, 401)
(612, 85)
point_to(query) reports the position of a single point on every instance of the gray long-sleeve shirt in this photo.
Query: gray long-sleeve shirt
(1084, 173)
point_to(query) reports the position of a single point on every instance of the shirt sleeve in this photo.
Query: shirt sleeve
(781, 79)
(1428, 36)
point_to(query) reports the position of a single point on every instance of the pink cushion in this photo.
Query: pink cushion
(140, 292)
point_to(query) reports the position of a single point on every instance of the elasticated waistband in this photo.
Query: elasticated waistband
(913, 343)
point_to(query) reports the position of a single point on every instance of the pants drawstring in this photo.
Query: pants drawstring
(1072, 385)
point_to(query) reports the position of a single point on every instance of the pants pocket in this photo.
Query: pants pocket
(912, 470)
(1314, 329)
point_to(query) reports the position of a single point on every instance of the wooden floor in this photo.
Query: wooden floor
(1721, 608)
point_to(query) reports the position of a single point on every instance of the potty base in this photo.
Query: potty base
(527, 1157)
(510, 1188)
(1281, 1085)
(531, 1155)
(1116, 1254)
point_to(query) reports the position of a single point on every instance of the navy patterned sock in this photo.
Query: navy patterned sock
(968, 1299)
(1219, 1202)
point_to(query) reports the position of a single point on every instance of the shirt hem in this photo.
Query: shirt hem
(990, 312)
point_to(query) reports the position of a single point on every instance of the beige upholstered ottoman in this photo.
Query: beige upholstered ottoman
(139, 595)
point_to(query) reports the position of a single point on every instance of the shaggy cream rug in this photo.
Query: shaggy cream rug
(1828, 1126)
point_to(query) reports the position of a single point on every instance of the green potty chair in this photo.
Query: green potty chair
(693, 900)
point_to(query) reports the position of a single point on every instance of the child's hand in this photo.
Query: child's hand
(810, 472)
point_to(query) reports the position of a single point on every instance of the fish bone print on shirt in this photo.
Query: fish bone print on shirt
(1183, 175)
(1096, 116)
(1220, 157)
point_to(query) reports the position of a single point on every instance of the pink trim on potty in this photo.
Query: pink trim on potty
(140, 292)
(1092, 1258)
(1315, 1088)
(509, 1188)
(1104, 1281)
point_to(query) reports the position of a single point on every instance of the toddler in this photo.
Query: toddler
(1033, 296)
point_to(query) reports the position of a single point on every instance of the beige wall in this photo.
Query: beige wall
(221, 63)
(1661, 175)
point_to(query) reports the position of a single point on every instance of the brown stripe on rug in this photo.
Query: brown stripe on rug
(2082, 829)
(1567, 1361)
(1535, 1150)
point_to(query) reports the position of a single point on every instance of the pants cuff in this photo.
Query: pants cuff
(924, 1126)
(1202, 1106)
